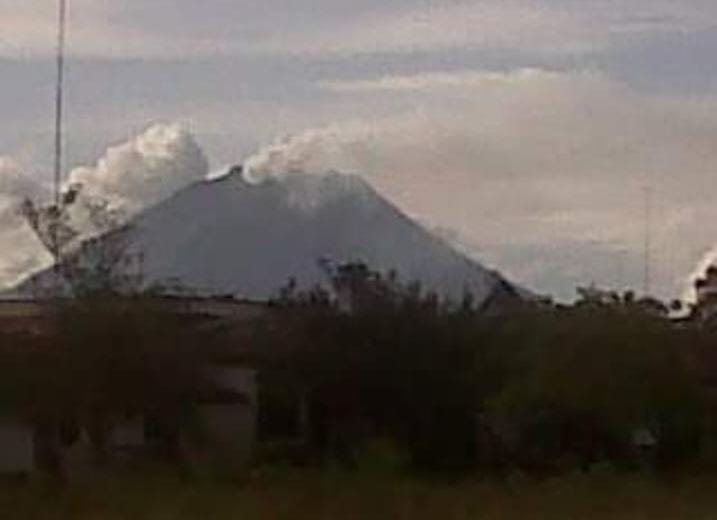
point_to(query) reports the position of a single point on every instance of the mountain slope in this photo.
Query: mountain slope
(229, 236)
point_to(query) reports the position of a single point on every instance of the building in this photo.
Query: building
(226, 404)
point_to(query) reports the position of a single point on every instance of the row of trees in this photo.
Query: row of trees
(540, 387)
(452, 387)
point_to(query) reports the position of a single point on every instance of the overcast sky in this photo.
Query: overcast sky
(528, 131)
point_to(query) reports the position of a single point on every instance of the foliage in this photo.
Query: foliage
(584, 380)
(609, 378)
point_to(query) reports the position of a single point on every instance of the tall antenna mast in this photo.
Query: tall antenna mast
(47, 220)
(59, 94)
(55, 239)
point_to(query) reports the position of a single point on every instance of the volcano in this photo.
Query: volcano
(228, 236)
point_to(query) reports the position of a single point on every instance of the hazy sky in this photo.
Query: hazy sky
(529, 131)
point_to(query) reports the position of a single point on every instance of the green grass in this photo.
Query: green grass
(338, 496)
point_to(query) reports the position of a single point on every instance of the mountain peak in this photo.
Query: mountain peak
(231, 236)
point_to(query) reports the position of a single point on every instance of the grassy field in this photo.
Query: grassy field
(334, 496)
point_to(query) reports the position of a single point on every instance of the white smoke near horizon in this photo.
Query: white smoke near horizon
(21, 251)
(129, 177)
(144, 170)
(709, 259)
(14, 184)
(14, 187)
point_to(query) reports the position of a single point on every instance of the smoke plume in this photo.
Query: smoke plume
(14, 184)
(144, 170)
(708, 260)
(21, 252)
(351, 147)
(128, 178)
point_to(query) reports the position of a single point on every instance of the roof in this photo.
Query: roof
(222, 323)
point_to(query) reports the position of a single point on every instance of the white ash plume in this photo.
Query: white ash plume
(144, 170)
(128, 178)
(348, 148)
(708, 260)
(21, 251)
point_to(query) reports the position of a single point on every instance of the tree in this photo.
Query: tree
(105, 263)
(585, 379)
(386, 361)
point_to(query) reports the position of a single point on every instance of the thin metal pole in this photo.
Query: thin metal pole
(59, 98)
(62, 18)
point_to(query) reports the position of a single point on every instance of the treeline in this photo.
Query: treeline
(538, 387)
(370, 359)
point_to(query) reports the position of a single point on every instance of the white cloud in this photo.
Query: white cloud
(28, 28)
(145, 169)
(130, 176)
(174, 29)
(562, 27)
(14, 184)
(709, 259)
(21, 251)
(431, 25)
(432, 81)
(528, 156)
